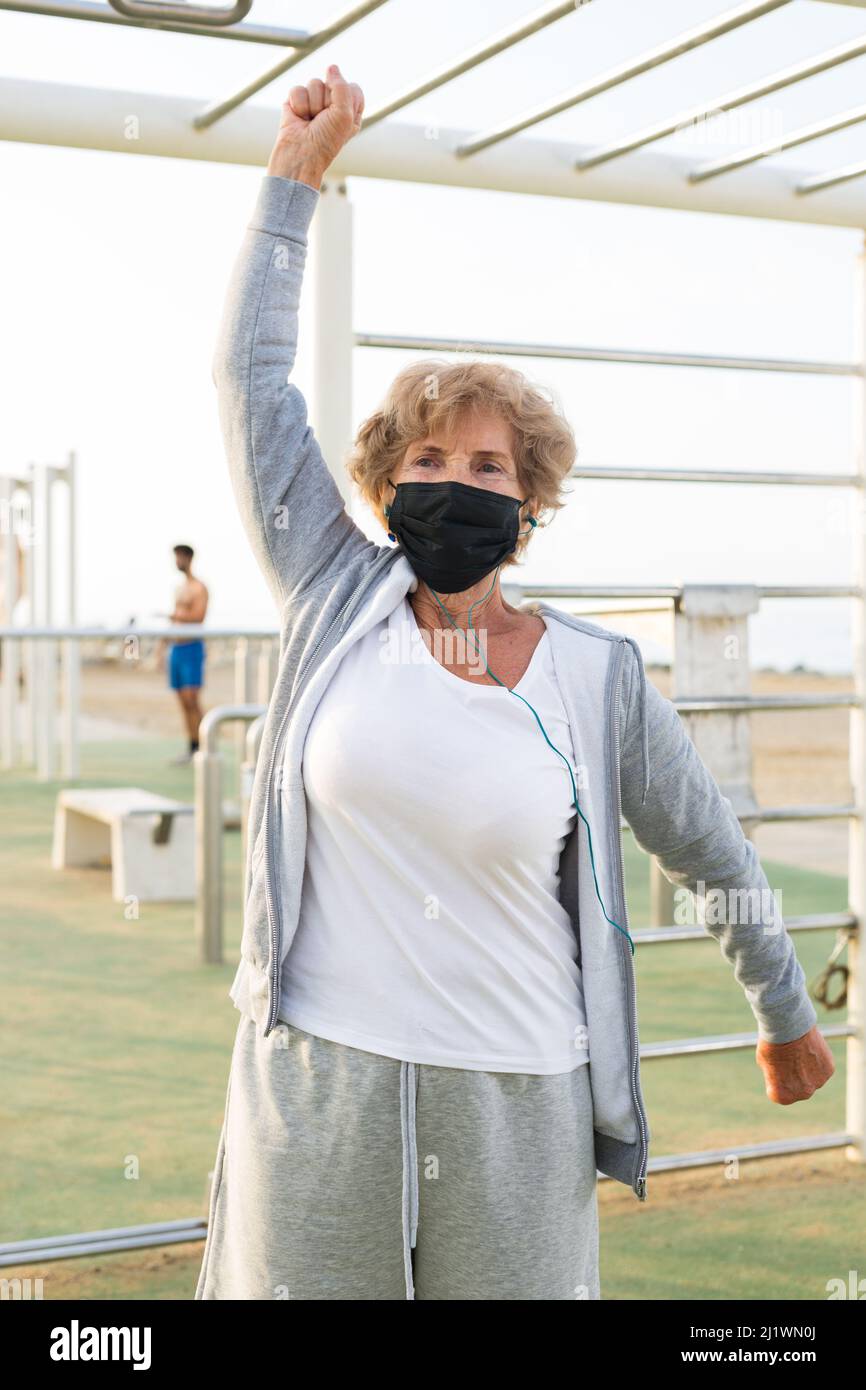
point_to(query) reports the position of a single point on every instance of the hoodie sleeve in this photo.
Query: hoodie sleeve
(679, 814)
(291, 508)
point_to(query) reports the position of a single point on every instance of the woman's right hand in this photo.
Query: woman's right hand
(317, 121)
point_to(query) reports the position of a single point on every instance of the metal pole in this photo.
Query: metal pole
(691, 39)
(9, 688)
(101, 14)
(199, 14)
(248, 772)
(51, 649)
(571, 352)
(29, 713)
(267, 668)
(207, 768)
(71, 649)
(337, 26)
(832, 179)
(44, 693)
(331, 328)
(245, 677)
(488, 48)
(815, 131)
(843, 53)
(855, 1059)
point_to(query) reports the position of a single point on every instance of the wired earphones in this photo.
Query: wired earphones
(556, 750)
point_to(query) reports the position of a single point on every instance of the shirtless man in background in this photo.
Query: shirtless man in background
(186, 659)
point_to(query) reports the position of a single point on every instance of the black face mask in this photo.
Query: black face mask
(454, 534)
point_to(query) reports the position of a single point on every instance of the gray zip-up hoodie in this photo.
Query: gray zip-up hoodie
(331, 584)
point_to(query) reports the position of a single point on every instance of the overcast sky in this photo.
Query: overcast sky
(114, 269)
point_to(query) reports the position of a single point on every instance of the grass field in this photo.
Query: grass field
(116, 1045)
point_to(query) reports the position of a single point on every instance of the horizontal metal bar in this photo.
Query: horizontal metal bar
(780, 815)
(20, 1252)
(748, 704)
(609, 610)
(188, 632)
(15, 1247)
(215, 112)
(473, 57)
(832, 179)
(572, 353)
(67, 1247)
(801, 136)
(659, 130)
(730, 1042)
(717, 475)
(674, 591)
(663, 53)
(216, 15)
(816, 921)
(195, 631)
(771, 1148)
(614, 591)
(770, 591)
(776, 815)
(102, 14)
(219, 715)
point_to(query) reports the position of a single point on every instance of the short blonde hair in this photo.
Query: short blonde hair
(433, 395)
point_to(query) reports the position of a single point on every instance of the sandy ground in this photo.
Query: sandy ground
(142, 693)
(799, 756)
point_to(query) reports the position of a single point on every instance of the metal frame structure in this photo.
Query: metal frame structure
(627, 170)
(44, 730)
(54, 113)
(28, 524)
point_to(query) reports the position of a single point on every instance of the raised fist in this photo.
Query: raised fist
(317, 121)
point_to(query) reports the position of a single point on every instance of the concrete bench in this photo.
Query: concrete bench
(148, 840)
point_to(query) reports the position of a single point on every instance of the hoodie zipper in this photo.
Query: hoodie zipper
(271, 896)
(339, 624)
(640, 1180)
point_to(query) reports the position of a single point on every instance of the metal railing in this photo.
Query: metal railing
(59, 723)
(660, 181)
(208, 763)
(853, 1138)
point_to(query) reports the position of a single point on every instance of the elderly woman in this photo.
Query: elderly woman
(438, 1045)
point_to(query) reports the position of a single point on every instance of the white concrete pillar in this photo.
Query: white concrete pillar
(711, 657)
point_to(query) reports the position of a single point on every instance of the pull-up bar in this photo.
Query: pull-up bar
(198, 14)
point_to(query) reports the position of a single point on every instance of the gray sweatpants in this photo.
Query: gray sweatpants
(342, 1174)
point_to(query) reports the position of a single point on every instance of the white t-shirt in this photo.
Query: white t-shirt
(430, 926)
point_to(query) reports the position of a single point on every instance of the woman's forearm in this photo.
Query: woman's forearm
(292, 510)
(691, 828)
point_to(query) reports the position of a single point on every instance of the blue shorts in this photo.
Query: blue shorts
(186, 664)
